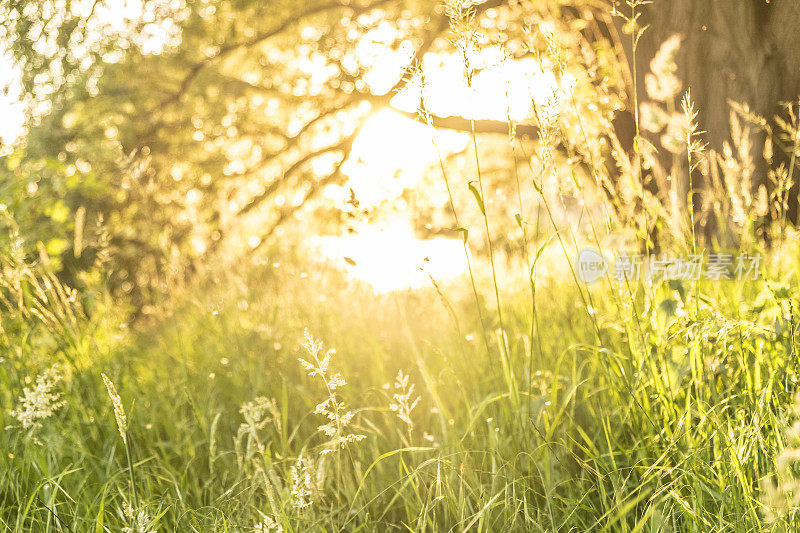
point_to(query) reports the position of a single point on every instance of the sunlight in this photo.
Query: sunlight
(391, 258)
(12, 108)
(374, 265)
(503, 88)
(392, 153)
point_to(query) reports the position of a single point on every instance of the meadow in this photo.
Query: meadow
(274, 392)
(293, 398)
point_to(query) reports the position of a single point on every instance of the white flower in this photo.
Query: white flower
(653, 117)
(332, 408)
(268, 524)
(141, 520)
(302, 483)
(260, 412)
(662, 84)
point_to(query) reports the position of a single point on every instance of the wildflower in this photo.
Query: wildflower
(761, 204)
(403, 403)
(653, 117)
(257, 415)
(336, 381)
(260, 412)
(674, 136)
(314, 347)
(661, 83)
(119, 411)
(689, 128)
(465, 36)
(140, 520)
(39, 402)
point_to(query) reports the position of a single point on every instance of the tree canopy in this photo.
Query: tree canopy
(167, 130)
(173, 123)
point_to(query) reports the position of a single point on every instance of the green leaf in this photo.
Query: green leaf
(539, 253)
(477, 196)
(98, 525)
(543, 246)
(575, 179)
(464, 234)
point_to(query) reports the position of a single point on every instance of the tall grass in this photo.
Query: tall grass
(628, 405)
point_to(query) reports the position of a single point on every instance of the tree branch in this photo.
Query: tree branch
(456, 123)
(294, 167)
(317, 186)
(438, 27)
(292, 141)
(261, 37)
(345, 146)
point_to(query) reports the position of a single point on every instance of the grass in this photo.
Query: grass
(668, 428)
(634, 406)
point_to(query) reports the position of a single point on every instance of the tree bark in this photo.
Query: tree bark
(745, 51)
(726, 54)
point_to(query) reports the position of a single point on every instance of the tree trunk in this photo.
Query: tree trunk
(745, 51)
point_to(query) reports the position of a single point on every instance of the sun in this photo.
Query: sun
(393, 152)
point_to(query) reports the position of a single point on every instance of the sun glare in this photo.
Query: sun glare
(392, 258)
(393, 152)
(12, 108)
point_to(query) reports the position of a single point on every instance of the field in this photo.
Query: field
(641, 415)
(610, 345)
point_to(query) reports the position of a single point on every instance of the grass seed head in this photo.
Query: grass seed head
(40, 401)
(119, 411)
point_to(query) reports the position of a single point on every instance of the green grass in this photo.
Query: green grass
(652, 422)
(652, 407)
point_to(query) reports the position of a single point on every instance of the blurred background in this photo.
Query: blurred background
(181, 134)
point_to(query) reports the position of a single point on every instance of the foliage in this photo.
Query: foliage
(516, 397)
(230, 126)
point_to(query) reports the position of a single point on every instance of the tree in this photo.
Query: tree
(731, 52)
(253, 109)
(244, 110)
